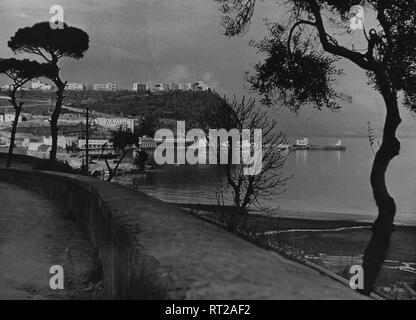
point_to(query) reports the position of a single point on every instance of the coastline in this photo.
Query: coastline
(301, 218)
(332, 244)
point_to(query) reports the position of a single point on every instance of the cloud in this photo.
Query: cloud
(22, 15)
(208, 78)
(179, 73)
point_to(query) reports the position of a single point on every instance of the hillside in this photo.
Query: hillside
(175, 105)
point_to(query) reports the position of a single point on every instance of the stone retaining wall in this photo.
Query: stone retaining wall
(152, 250)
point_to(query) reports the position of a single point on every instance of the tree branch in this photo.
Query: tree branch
(338, 50)
(298, 23)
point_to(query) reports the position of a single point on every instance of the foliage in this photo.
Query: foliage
(148, 127)
(122, 138)
(140, 159)
(51, 44)
(122, 141)
(306, 45)
(22, 71)
(176, 105)
(291, 47)
(298, 77)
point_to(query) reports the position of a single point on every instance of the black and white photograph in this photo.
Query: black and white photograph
(207, 154)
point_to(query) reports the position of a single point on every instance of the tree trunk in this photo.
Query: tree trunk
(383, 226)
(13, 136)
(113, 172)
(55, 118)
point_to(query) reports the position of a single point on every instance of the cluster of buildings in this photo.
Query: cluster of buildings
(74, 86)
(171, 86)
(35, 86)
(41, 147)
(115, 123)
(105, 87)
(137, 87)
(145, 86)
(71, 147)
(38, 85)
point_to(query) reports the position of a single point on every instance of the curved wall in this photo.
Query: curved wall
(152, 250)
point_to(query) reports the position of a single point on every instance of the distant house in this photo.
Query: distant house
(147, 143)
(158, 87)
(4, 141)
(41, 150)
(115, 123)
(6, 87)
(140, 87)
(178, 86)
(105, 87)
(187, 86)
(38, 150)
(201, 86)
(74, 86)
(72, 119)
(37, 85)
(170, 86)
(302, 142)
(8, 117)
(62, 141)
(94, 144)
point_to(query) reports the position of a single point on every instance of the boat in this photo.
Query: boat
(303, 144)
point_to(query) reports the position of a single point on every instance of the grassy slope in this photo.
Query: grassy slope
(174, 105)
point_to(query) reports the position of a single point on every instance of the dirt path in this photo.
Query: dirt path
(34, 235)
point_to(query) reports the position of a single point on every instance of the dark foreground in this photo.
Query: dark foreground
(336, 245)
(36, 235)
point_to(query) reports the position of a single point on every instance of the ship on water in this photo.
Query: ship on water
(303, 144)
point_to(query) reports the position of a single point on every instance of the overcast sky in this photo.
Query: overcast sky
(175, 40)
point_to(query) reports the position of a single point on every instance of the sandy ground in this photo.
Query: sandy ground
(34, 235)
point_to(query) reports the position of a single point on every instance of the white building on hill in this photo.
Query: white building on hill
(158, 87)
(115, 123)
(74, 86)
(37, 85)
(201, 86)
(302, 142)
(94, 144)
(140, 87)
(62, 141)
(105, 87)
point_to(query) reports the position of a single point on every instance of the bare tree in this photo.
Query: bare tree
(247, 190)
(299, 69)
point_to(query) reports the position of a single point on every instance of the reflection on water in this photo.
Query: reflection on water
(301, 157)
(338, 156)
(324, 182)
